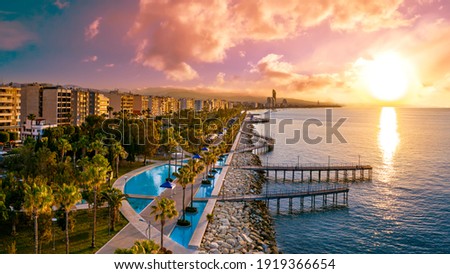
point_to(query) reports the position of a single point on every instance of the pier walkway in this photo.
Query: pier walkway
(317, 169)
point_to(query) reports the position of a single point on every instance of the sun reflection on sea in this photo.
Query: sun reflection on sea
(388, 137)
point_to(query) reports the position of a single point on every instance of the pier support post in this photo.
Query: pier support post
(362, 174)
(302, 200)
(337, 175)
(320, 175)
(276, 175)
(345, 175)
(284, 175)
(328, 175)
(290, 205)
(325, 198)
(310, 175)
(302, 175)
(293, 176)
(278, 206)
(354, 175)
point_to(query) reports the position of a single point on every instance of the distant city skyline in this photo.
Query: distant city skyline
(348, 52)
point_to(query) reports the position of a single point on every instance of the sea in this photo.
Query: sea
(405, 208)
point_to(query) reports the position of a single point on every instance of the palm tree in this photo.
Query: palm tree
(38, 200)
(64, 146)
(164, 210)
(98, 147)
(31, 117)
(140, 247)
(95, 172)
(114, 197)
(68, 196)
(117, 151)
(196, 167)
(184, 177)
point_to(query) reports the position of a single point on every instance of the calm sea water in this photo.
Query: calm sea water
(404, 209)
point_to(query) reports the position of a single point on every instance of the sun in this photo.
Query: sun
(386, 76)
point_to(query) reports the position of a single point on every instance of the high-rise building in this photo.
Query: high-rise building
(98, 103)
(140, 103)
(9, 109)
(186, 103)
(52, 103)
(120, 101)
(198, 105)
(80, 106)
(56, 105)
(155, 105)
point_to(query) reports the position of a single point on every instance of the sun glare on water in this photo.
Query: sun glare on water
(386, 76)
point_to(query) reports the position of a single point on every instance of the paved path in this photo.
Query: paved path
(136, 229)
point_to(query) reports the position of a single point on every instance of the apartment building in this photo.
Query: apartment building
(186, 103)
(140, 103)
(80, 106)
(9, 109)
(98, 103)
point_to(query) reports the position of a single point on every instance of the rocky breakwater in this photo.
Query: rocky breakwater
(240, 227)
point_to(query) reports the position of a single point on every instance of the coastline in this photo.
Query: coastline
(240, 227)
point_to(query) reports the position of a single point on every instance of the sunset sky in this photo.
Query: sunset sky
(333, 50)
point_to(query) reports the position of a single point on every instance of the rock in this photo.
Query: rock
(213, 245)
(226, 245)
(232, 242)
(214, 251)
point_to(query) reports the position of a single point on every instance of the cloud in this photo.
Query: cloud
(270, 66)
(220, 78)
(172, 35)
(89, 59)
(93, 29)
(61, 4)
(109, 65)
(14, 35)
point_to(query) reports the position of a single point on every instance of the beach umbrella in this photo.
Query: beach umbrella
(168, 184)
(205, 149)
(196, 157)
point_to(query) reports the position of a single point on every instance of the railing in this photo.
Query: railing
(314, 165)
(279, 194)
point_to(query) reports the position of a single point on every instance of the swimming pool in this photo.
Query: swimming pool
(148, 182)
(139, 204)
(183, 235)
(205, 191)
(222, 163)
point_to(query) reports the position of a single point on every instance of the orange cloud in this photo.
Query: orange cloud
(93, 29)
(172, 35)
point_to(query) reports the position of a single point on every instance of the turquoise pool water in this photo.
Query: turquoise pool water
(183, 235)
(222, 163)
(206, 190)
(139, 204)
(148, 182)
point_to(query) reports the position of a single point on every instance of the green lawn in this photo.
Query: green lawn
(80, 237)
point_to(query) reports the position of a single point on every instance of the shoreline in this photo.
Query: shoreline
(240, 227)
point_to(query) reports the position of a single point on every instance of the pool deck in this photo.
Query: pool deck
(137, 230)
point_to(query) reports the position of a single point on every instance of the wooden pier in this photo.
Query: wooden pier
(323, 172)
(312, 193)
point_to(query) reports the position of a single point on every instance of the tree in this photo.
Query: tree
(184, 177)
(117, 151)
(31, 117)
(114, 197)
(4, 137)
(196, 167)
(164, 210)
(98, 147)
(67, 196)
(38, 200)
(140, 247)
(94, 174)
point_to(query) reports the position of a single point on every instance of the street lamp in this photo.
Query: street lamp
(148, 227)
(54, 220)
